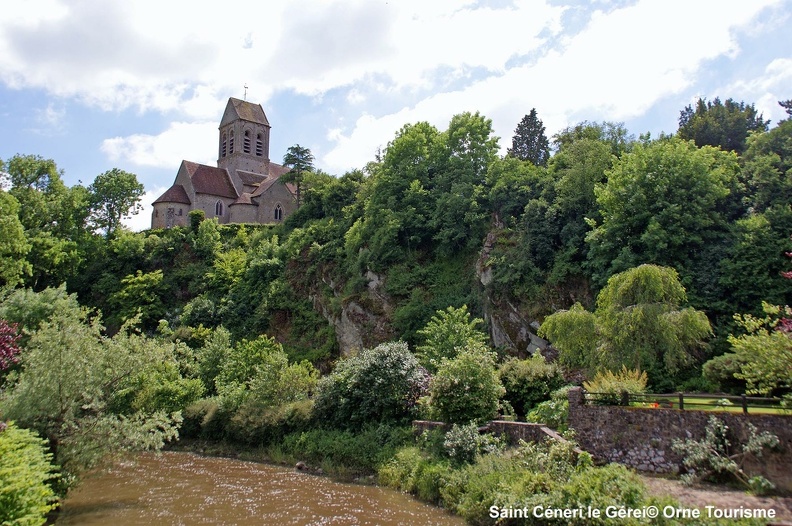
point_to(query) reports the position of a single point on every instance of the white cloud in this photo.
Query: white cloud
(182, 140)
(616, 68)
(767, 89)
(142, 220)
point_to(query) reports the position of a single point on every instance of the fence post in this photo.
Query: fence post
(744, 403)
(681, 401)
(625, 398)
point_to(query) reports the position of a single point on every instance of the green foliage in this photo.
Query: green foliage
(463, 442)
(448, 332)
(69, 378)
(300, 161)
(381, 384)
(529, 382)
(344, 451)
(724, 124)
(140, 294)
(13, 243)
(663, 203)
(466, 388)
(721, 371)
(715, 455)
(530, 142)
(256, 425)
(764, 353)
(412, 471)
(553, 412)
(545, 475)
(638, 323)
(607, 387)
(114, 195)
(26, 473)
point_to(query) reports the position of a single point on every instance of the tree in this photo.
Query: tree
(787, 105)
(764, 352)
(721, 124)
(466, 388)
(639, 323)
(14, 246)
(114, 195)
(300, 160)
(382, 384)
(447, 333)
(667, 203)
(52, 215)
(530, 142)
(70, 377)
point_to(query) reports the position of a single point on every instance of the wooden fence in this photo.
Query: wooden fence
(688, 401)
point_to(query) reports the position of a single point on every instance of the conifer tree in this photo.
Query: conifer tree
(530, 142)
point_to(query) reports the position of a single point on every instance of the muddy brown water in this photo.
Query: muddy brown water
(176, 488)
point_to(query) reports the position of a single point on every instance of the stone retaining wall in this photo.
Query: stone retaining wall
(641, 437)
(514, 431)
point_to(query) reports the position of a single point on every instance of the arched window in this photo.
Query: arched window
(224, 145)
(246, 142)
(231, 143)
(278, 213)
(219, 208)
(260, 145)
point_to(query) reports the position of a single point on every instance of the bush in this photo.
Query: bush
(344, 451)
(258, 426)
(466, 388)
(607, 387)
(25, 471)
(205, 419)
(378, 385)
(553, 412)
(529, 382)
(714, 456)
(463, 443)
(412, 471)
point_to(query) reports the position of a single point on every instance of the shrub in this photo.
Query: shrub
(205, 419)
(412, 471)
(553, 412)
(382, 384)
(608, 386)
(466, 388)
(447, 333)
(251, 424)
(529, 382)
(463, 443)
(25, 470)
(714, 455)
(358, 453)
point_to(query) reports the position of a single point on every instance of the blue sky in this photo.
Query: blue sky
(98, 84)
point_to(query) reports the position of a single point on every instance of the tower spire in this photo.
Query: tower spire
(246, 88)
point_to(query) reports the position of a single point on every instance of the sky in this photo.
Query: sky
(102, 84)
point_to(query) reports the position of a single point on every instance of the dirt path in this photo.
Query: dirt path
(702, 495)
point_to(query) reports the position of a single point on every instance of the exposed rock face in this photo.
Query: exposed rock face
(365, 320)
(359, 323)
(508, 328)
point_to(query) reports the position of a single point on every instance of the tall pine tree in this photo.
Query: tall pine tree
(530, 142)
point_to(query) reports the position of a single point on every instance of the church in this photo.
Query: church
(245, 185)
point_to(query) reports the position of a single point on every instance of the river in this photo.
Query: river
(175, 488)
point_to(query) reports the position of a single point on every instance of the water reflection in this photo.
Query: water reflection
(183, 488)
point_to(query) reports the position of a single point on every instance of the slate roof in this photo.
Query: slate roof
(244, 199)
(174, 194)
(241, 109)
(210, 180)
(250, 178)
